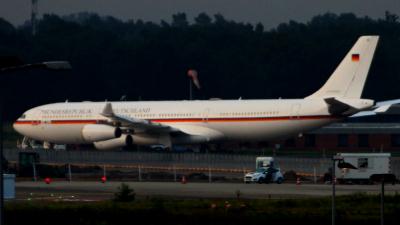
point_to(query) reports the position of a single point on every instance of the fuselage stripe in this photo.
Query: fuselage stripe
(183, 120)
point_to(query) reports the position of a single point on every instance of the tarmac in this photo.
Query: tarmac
(95, 191)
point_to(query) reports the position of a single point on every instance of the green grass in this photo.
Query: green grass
(353, 209)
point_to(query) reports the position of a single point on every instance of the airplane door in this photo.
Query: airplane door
(205, 115)
(295, 111)
(44, 128)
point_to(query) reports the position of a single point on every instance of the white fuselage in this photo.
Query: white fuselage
(116, 124)
(241, 120)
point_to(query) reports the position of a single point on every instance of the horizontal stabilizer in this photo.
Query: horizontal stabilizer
(345, 107)
(337, 107)
(390, 107)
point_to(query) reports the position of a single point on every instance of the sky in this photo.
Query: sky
(269, 12)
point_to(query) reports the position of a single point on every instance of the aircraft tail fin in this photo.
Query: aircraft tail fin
(348, 80)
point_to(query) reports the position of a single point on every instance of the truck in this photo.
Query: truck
(367, 167)
(266, 171)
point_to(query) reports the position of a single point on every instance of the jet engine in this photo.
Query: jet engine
(124, 140)
(100, 132)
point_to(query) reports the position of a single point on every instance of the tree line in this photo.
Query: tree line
(148, 61)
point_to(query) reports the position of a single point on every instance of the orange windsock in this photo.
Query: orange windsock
(193, 74)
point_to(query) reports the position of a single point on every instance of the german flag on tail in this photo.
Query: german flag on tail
(355, 57)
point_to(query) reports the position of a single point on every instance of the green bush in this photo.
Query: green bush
(124, 194)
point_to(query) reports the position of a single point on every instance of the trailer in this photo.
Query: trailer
(368, 167)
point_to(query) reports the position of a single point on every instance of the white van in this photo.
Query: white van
(263, 166)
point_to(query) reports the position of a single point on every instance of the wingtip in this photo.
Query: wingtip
(108, 110)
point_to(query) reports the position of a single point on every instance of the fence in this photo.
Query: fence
(166, 159)
(204, 161)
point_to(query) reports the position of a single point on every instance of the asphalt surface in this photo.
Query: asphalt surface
(93, 191)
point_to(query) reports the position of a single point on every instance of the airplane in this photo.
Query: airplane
(110, 125)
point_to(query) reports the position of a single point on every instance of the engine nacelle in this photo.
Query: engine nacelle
(100, 132)
(124, 140)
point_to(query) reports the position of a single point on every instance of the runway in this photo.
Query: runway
(93, 191)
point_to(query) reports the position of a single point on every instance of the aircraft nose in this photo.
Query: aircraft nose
(17, 127)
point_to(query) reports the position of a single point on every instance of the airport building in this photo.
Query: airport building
(349, 137)
(366, 134)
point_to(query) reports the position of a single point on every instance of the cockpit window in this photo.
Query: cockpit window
(23, 116)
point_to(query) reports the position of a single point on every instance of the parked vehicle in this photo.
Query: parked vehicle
(266, 172)
(368, 168)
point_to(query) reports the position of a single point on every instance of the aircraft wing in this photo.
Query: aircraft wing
(136, 124)
(390, 107)
(181, 132)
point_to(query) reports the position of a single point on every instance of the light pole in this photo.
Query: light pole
(342, 165)
(382, 199)
(51, 65)
(333, 181)
(383, 178)
(190, 90)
